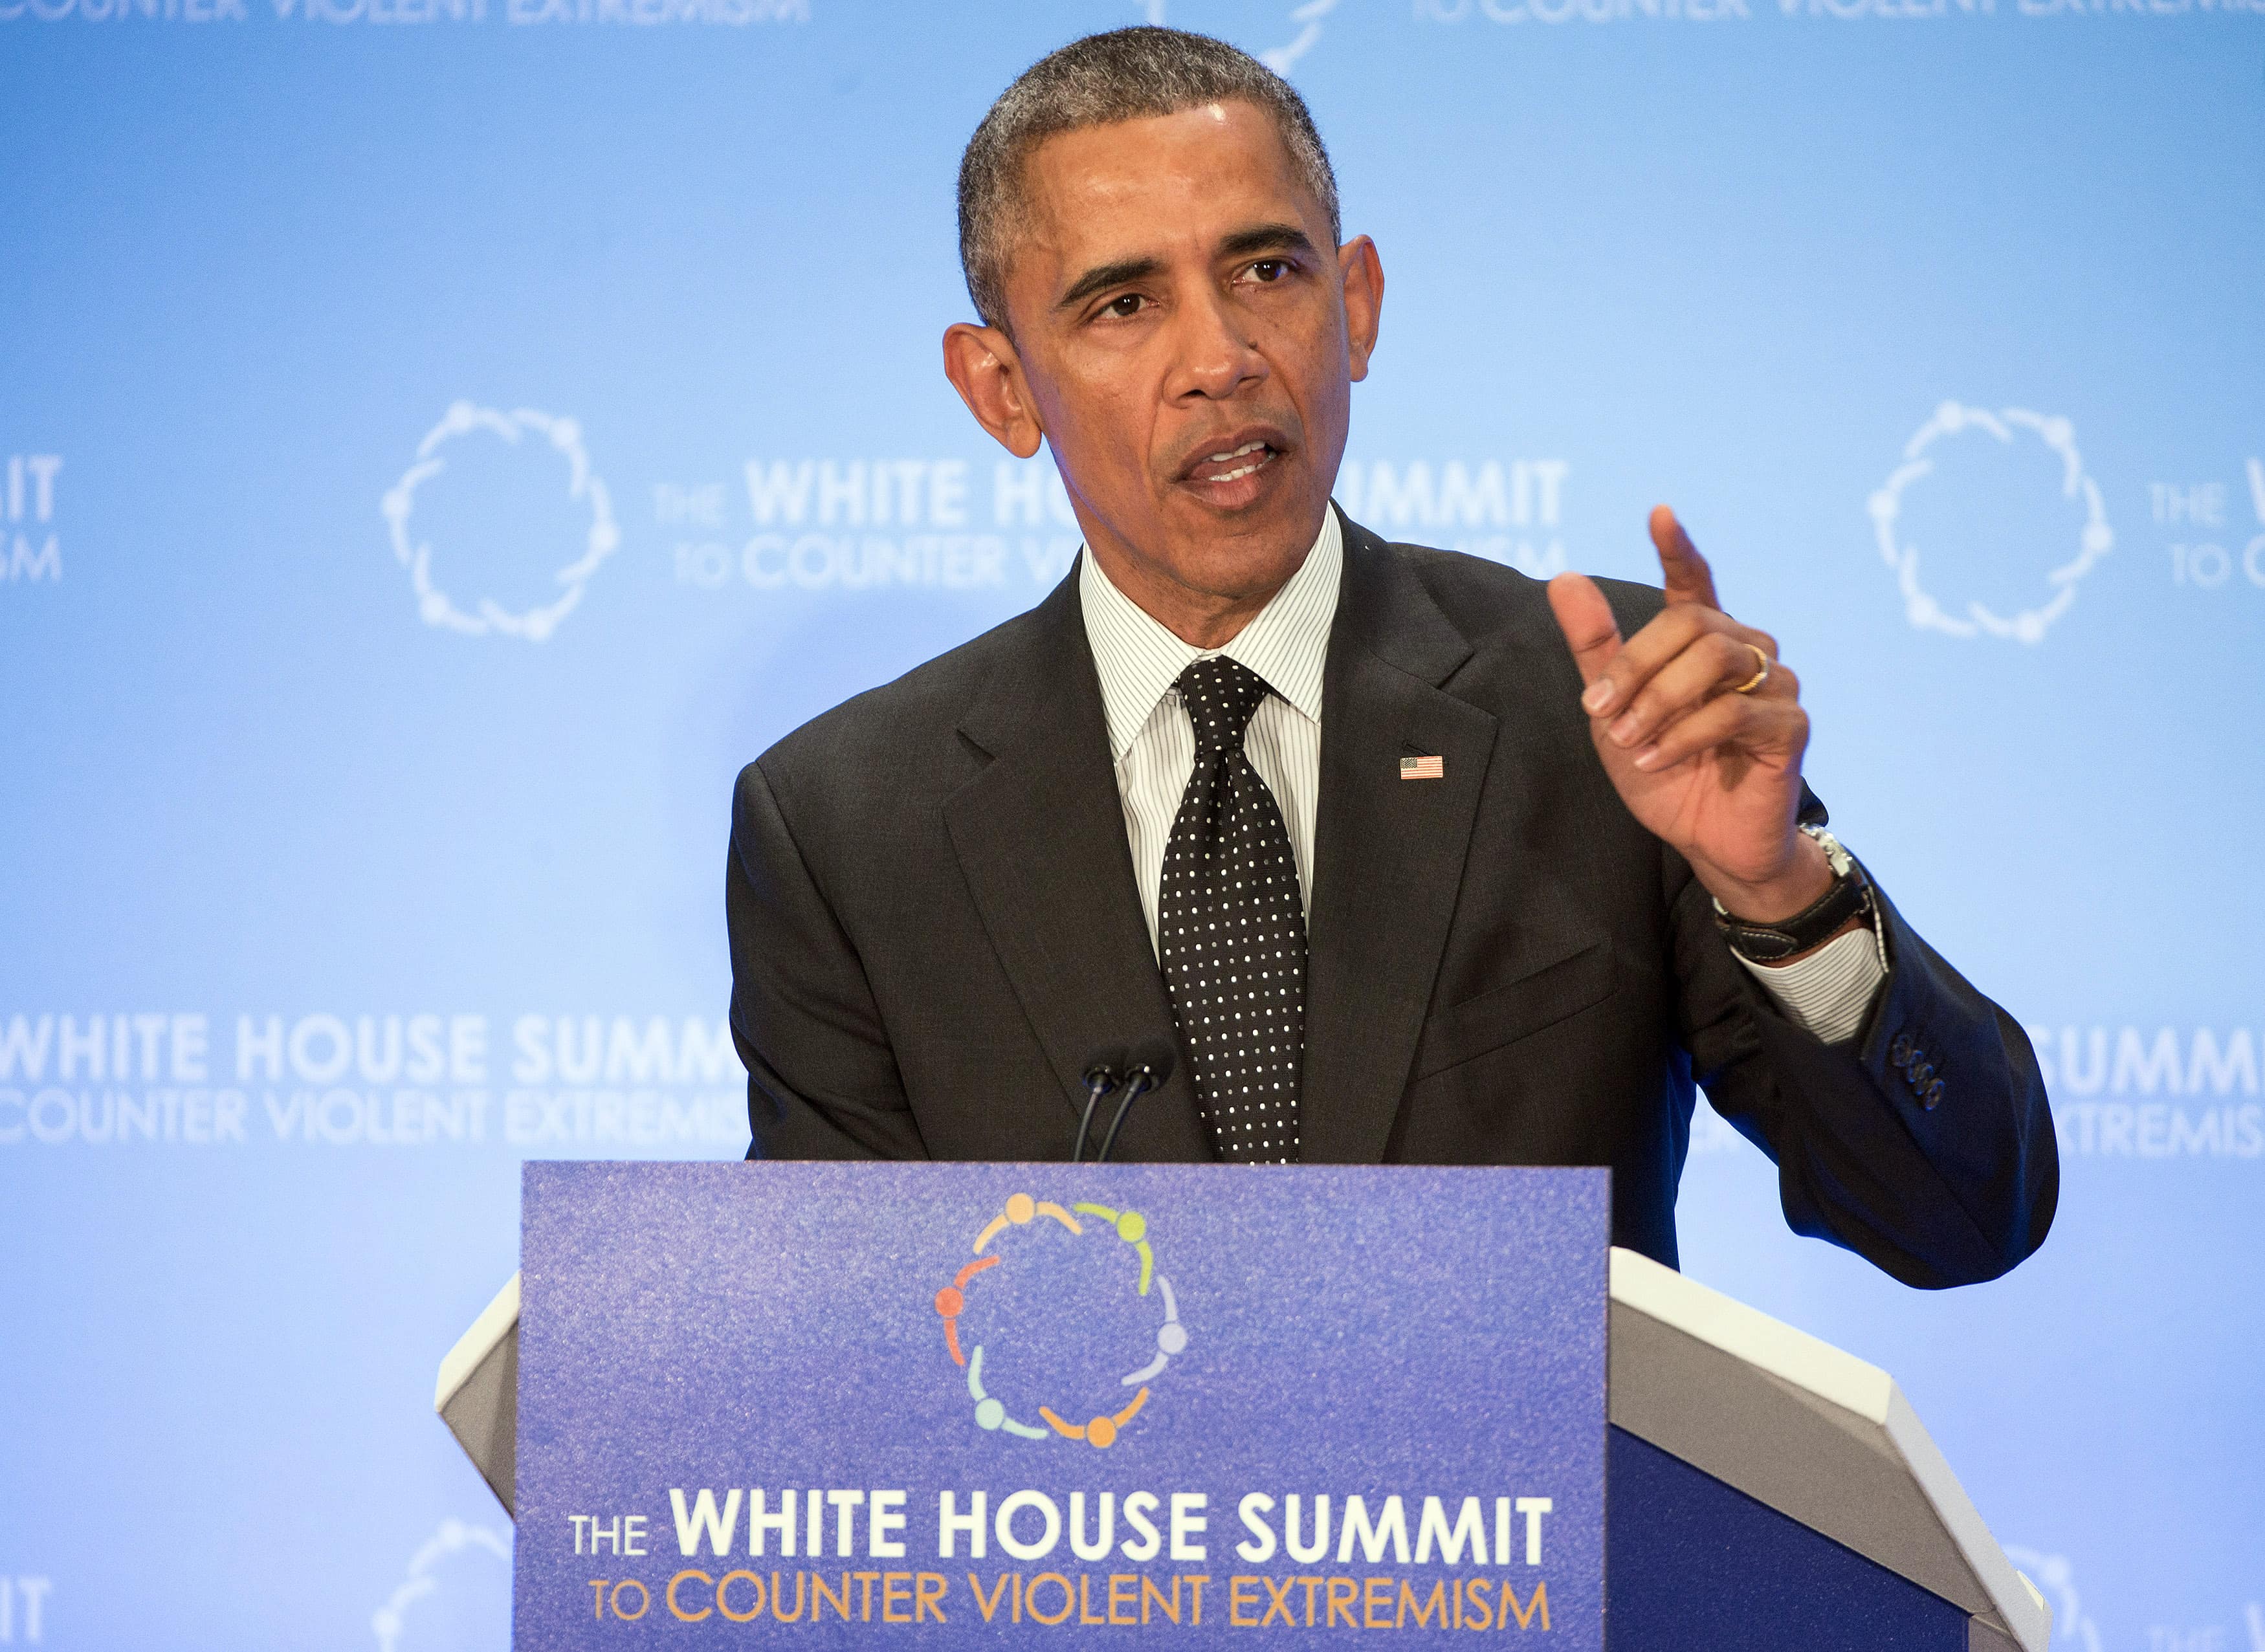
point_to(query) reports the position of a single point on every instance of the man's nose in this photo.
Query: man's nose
(1216, 357)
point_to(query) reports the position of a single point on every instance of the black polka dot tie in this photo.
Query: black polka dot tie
(1232, 928)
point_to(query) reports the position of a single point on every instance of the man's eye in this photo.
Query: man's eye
(1124, 305)
(1270, 269)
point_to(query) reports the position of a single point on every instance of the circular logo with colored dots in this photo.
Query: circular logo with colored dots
(992, 1246)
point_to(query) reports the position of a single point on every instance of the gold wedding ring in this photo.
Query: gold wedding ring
(1761, 671)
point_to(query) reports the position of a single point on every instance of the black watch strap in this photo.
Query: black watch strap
(1850, 896)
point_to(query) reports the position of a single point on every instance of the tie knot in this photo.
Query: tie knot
(1220, 695)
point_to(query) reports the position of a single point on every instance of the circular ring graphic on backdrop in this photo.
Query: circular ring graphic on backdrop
(1130, 1228)
(434, 606)
(2095, 540)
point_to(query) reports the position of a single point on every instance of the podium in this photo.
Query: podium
(1763, 1490)
(1766, 1490)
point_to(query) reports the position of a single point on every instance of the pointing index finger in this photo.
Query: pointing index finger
(1683, 571)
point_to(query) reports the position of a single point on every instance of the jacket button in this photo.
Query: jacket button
(1899, 1054)
(1922, 1070)
(1932, 1098)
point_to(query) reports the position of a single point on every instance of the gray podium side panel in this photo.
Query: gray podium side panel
(1834, 1473)
(484, 1415)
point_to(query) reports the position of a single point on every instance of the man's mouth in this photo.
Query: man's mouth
(1234, 464)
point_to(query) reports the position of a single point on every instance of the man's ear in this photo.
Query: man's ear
(983, 367)
(1362, 274)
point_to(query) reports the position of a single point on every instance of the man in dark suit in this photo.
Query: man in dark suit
(1407, 859)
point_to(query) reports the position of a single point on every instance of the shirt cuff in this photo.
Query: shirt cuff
(1829, 992)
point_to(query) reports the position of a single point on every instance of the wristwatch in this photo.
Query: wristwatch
(1850, 896)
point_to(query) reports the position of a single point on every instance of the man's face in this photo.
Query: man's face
(1180, 321)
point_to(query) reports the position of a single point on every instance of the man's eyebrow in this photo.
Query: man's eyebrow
(1104, 276)
(1265, 237)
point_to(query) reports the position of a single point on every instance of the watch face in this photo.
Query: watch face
(1838, 858)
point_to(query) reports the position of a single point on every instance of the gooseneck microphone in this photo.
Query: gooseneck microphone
(1102, 1074)
(1148, 1067)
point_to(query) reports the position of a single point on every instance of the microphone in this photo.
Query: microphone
(1149, 1065)
(1103, 1072)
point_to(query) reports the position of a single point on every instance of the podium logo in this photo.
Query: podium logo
(448, 600)
(1937, 443)
(1020, 1225)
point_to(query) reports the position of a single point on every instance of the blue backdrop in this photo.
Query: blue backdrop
(443, 439)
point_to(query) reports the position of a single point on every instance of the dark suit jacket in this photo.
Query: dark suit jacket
(934, 927)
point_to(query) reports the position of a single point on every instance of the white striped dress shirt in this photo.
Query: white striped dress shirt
(1153, 746)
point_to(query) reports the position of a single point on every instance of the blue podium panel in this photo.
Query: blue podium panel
(1696, 1563)
(1148, 1403)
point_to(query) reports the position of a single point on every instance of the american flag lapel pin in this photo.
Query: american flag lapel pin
(1422, 769)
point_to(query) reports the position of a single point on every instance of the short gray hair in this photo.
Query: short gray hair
(1124, 74)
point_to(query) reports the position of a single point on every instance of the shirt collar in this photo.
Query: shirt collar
(1286, 643)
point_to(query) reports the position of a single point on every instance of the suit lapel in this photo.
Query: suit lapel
(1388, 853)
(1041, 837)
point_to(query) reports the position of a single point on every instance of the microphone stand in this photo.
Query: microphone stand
(1101, 1078)
(1150, 1074)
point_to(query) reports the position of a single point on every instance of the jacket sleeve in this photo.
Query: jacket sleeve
(1949, 1194)
(822, 1081)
